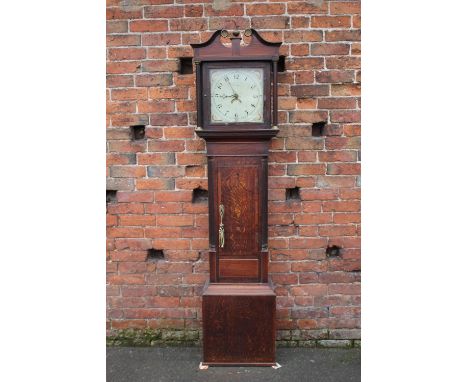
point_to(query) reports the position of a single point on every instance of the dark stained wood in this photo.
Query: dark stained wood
(275, 93)
(238, 303)
(239, 324)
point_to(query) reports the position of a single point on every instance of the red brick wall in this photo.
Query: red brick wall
(318, 295)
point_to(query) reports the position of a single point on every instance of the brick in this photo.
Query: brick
(337, 156)
(331, 181)
(178, 132)
(189, 24)
(173, 196)
(350, 193)
(193, 11)
(343, 35)
(126, 279)
(307, 7)
(307, 243)
(345, 116)
(137, 196)
(172, 243)
(337, 230)
(229, 23)
(232, 10)
(148, 26)
(310, 90)
(341, 206)
(160, 66)
(346, 90)
(166, 146)
(334, 76)
(345, 8)
(123, 67)
(191, 159)
(343, 168)
(266, 9)
(127, 171)
(315, 218)
(155, 184)
(347, 289)
(169, 119)
(329, 49)
(306, 103)
(309, 290)
(300, 22)
(137, 220)
(175, 220)
(155, 107)
(356, 21)
(119, 107)
(161, 39)
(129, 120)
(123, 40)
(301, 63)
(156, 53)
(121, 54)
(155, 158)
(304, 143)
(156, 79)
(163, 11)
(307, 116)
(270, 22)
(117, 26)
(306, 169)
(343, 62)
(124, 13)
(119, 81)
(300, 50)
(302, 36)
(336, 103)
(330, 21)
(129, 94)
(169, 93)
(119, 184)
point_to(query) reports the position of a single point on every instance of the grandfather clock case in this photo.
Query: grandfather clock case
(236, 82)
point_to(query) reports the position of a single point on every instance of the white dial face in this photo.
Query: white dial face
(236, 95)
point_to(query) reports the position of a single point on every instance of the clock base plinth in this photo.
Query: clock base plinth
(239, 324)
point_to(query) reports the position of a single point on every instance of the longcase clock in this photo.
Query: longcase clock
(236, 82)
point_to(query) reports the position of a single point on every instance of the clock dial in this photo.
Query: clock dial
(236, 95)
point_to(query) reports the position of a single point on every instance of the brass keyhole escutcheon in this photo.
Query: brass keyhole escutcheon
(221, 226)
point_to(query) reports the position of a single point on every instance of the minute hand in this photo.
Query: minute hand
(229, 82)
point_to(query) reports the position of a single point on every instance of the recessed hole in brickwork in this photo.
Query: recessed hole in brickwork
(199, 195)
(293, 193)
(282, 64)
(318, 129)
(333, 251)
(186, 66)
(111, 196)
(138, 132)
(155, 254)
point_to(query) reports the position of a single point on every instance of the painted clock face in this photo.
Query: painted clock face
(236, 95)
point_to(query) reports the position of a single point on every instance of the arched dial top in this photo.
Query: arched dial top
(237, 95)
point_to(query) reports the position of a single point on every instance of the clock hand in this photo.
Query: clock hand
(224, 96)
(229, 82)
(236, 98)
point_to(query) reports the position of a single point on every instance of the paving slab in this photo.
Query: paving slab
(161, 364)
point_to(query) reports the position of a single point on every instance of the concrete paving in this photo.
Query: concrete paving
(161, 364)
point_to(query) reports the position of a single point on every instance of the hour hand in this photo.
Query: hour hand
(224, 95)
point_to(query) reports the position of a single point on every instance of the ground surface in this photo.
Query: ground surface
(181, 364)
